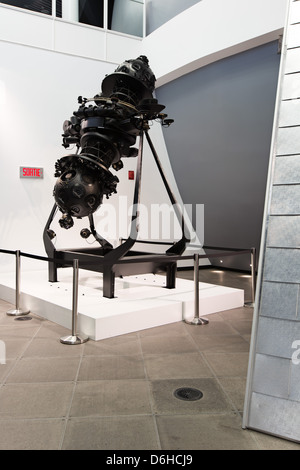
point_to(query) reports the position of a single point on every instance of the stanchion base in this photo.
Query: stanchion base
(73, 339)
(197, 321)
(249, 304)
(17, 312)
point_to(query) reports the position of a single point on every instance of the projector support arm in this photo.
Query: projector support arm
(179, 247)
(121, 250)
(48, 235)
(104, 243)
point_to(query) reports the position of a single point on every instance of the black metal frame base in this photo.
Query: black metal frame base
(104, 258)
(93, 260)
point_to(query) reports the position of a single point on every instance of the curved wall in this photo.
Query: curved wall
(217, 69)
(209, 31)
(220, 141)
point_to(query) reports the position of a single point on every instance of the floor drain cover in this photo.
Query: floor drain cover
(23, 318)
(188, 394)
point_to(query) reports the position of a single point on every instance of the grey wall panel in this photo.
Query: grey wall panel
(271, 376)
(288, 141)
(272, 401)
(282, 265)
(219, 144)
(294, 34)
(276, 416)
(289, 113)
(284, 232)
(287, 170)
(291, 87)
(292, 61)
(294, 393)
(285, 200)
(295, 13)
(279, 300)
(276, 337)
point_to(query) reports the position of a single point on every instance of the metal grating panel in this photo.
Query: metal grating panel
(272, 402)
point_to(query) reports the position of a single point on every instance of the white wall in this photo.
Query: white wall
(46, 64)
(212, 30)
(39, 90)
(42, 31)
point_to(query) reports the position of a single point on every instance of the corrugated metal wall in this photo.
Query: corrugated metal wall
(272, 402)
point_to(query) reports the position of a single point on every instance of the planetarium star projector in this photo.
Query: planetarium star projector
(105, 133)
(104, 130)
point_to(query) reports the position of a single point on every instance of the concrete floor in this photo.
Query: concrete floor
(118, 393)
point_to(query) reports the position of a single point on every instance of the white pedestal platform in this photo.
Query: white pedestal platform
(140, 302)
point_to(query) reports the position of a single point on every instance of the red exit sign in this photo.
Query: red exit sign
(30, 172)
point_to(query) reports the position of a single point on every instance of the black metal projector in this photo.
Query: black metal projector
(104, 130)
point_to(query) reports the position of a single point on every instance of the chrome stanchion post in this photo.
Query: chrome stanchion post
(196, 320)
(74, 338)
(18, 311)
(253, 278)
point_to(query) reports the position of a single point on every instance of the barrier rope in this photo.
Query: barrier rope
(74, 338)
(155, 258)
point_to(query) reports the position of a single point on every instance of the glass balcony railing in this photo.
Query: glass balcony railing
(124, 16)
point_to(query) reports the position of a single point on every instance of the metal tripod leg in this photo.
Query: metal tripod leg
(179, 247)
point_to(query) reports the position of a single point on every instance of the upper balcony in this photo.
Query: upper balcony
(111, 30)
(83, 28)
